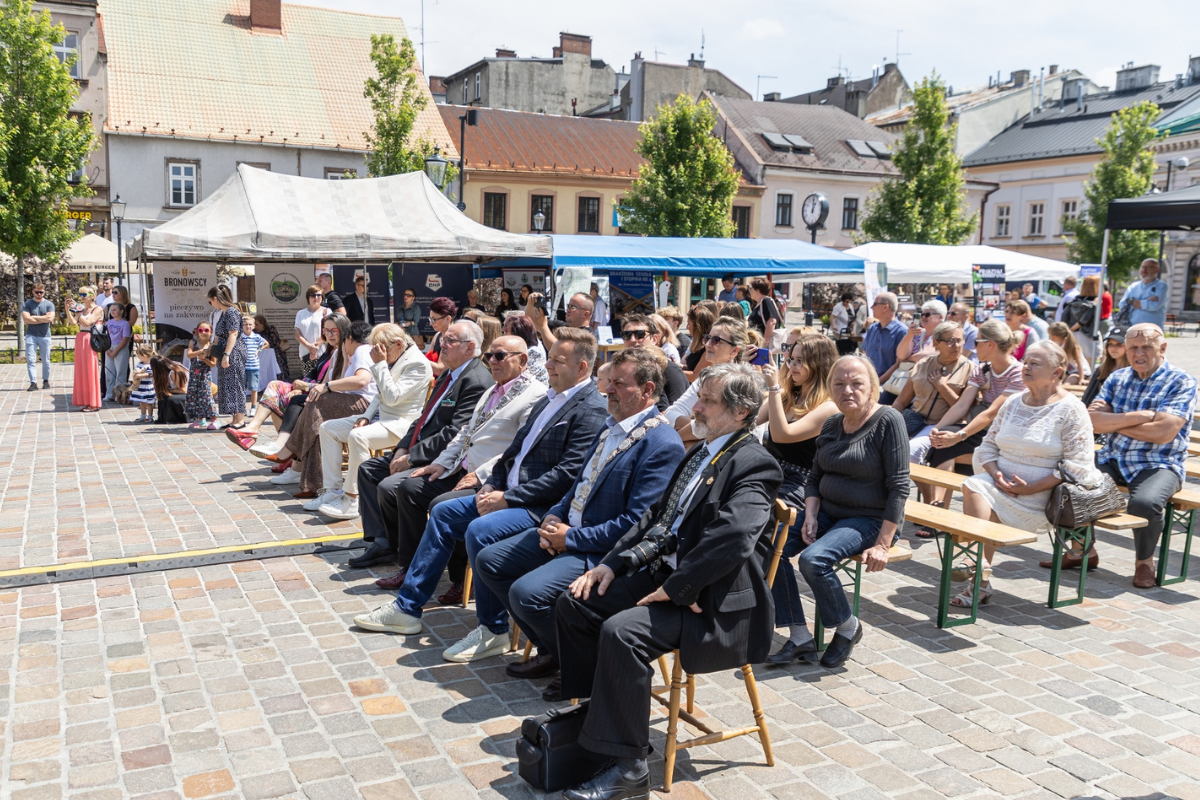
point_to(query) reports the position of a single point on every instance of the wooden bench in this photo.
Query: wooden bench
(1191, 468)
(852, 567)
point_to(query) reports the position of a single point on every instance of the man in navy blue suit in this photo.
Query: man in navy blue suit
(536, 469)
(626, 470)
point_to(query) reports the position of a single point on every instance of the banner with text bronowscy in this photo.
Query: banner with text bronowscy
(279, 290)
(181, 293)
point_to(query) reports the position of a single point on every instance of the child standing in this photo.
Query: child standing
(143, 377)
(198, 406)
(254, 343)
(116, 358)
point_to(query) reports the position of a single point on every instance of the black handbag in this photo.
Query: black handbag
(1076, 505)
(549, 756)
(101, 341)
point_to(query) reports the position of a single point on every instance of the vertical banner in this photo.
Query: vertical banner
(987, 281)
(181, 293)
(279, 291)
(344, 276)
(430, 280)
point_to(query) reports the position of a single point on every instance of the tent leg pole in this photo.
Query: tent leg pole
(1098, 349)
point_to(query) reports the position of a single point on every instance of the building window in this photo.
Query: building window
(589, 215)
(494, 208)
(464, 100)
(783, 211)
(77, 175)
(181, 179)
(68, 48)
(545, 204)
(1070, 210)
(478, 84)
(741, 222)
(1003, 215)
(1037, 218)
(849, 213)
(340, 173)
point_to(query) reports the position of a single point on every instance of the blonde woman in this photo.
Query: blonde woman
(86, 391)
(667, 339)
(1078, 368)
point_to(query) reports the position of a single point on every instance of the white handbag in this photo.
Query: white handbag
(899, 378)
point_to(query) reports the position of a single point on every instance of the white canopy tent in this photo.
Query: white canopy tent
(91, 253)
(260, 216)
(930, 263)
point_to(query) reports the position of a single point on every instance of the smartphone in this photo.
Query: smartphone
(761, 358)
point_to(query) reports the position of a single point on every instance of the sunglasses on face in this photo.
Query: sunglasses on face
(717, 339)
(634, 334)
(317, 296)
(203, 330)
(929, 314)
(496, 356)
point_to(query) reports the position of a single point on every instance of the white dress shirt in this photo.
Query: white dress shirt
(618, 432)
(557, 401)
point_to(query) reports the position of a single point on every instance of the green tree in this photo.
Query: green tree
(1127, 170)
(396, 100)
(926, 203)
(687, 185)
(41, 144)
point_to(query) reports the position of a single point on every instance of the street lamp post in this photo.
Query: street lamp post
(435, 168)
(539, 221)
(470, 118)
(118, 215)
(1180, 164)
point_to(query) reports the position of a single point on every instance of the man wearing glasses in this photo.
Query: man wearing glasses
(579, 315)
(639, 331)
(961, 313)
(883, 335)
(37, 314)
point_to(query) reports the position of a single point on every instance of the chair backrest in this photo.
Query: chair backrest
(785, 517)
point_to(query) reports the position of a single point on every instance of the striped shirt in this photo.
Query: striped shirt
(1169, 391)
(253, 342)
(993, 384)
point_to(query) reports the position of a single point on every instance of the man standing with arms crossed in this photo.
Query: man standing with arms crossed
(37, 315)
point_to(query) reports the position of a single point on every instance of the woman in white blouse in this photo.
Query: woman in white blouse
(1016, 467)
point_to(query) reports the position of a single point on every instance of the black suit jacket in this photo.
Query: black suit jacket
(453, 411)
(355, 310)
(553, 462)
(724, 544)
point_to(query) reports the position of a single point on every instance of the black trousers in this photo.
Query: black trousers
(1150, 493)
(371, 473)
(607, 648)
(291, 414)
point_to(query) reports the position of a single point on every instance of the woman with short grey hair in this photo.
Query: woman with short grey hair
(918, 342)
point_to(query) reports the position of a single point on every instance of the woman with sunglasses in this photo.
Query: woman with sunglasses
(308, 329)
(728, 342)
(442, 311)
(917, 344)
(86, 390)
(797, 406)
(408, 317)
(935, 386)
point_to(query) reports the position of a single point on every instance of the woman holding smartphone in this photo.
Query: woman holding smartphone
(86, 391)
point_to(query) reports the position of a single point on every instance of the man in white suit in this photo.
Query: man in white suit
(466, 463)
(402, 374)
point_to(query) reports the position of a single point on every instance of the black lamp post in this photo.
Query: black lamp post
(470, 118)
(435, 168)
(1180, 164)
(118, 214)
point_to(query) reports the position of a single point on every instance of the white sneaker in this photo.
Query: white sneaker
(388, 619)
(478, 645)
(341, 507)
(286, 478)
(326, 496)
(263, 449)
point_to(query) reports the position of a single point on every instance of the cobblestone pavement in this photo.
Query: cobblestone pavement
(247, 679)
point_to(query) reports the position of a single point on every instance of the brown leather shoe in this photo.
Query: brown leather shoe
(538, 667)
(453, 597)
(304, 495)
(1143, 576)
(1072, 561)
(393, 582)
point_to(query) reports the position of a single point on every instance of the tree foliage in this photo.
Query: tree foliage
(41, 144)
(1127, 170)
(396, 100)
(926, 203)
(687, 185)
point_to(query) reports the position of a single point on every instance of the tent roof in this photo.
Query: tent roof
(259, 216)
(91, 253)
(921, 263)
(1177, 210)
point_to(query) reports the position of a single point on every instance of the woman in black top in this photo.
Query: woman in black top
(797, 407)
(765, 318)
(854, 500)
(699, 323)
(506, 303)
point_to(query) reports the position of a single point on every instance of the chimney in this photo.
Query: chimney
(504, 52)
(832, 82)
(437, 84)
(266, 16)
(771, 97)
(695, 62)
(1132, 77)
(1019, 78)
(1193, 73)
(574, 43)
(1054, 69)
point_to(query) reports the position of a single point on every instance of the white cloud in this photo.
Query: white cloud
(760, 29)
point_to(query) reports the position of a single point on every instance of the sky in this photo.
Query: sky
(802, 45)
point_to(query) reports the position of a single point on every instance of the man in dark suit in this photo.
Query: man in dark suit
(534, 471)
(626, 469)
(359, 307)
(709, 599)
(449, 408)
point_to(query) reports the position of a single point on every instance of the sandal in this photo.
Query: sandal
(929, 533)
(963, 599)
(241, 437)
(279, 469)
(964, 571)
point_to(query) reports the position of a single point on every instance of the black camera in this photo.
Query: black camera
(539, 300)
(657, 542)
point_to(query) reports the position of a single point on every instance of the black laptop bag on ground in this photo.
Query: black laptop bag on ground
(548, 753)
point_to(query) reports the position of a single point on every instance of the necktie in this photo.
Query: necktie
(666, 517)
(429, 407)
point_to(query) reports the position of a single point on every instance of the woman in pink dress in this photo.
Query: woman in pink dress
(86, 392)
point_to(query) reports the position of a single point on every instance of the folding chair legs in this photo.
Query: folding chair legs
(1186, 522)
(468, 579)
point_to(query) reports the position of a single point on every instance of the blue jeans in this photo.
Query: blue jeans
(450, 522)
(33, 346)
(836, 539)
(528, 581)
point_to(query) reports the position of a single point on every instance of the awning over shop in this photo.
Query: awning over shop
(930, 263)
(259, 216)
(1170, 211)
(91, 253)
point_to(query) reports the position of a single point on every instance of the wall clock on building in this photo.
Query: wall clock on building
(814, 212)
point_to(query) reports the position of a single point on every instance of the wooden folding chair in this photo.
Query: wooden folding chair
(785, 517)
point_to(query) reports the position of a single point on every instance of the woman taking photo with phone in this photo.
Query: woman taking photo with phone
(86, 390)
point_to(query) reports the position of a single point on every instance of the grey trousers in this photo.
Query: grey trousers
(1150, 492)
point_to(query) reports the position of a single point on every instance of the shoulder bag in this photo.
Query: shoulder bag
(101, 341)
(895, 384)
(1076, 505)
(549, 756)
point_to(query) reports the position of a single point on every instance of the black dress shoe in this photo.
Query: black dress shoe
(375, 554)
(614, 783)
(538, 667)
(839, 649)
(553, 691)
(791, 651)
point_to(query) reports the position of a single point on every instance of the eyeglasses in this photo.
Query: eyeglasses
(795, 362)
(438, 318)
(716, 339)
(408, 296)
(450, 340)
(496, 356)
(634, 334)
(315, 296)
(330, 330)
(879, 303)
(573, 307)
(953, 342)
(929, 314)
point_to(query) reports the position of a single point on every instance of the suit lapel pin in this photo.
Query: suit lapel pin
(708, 482)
